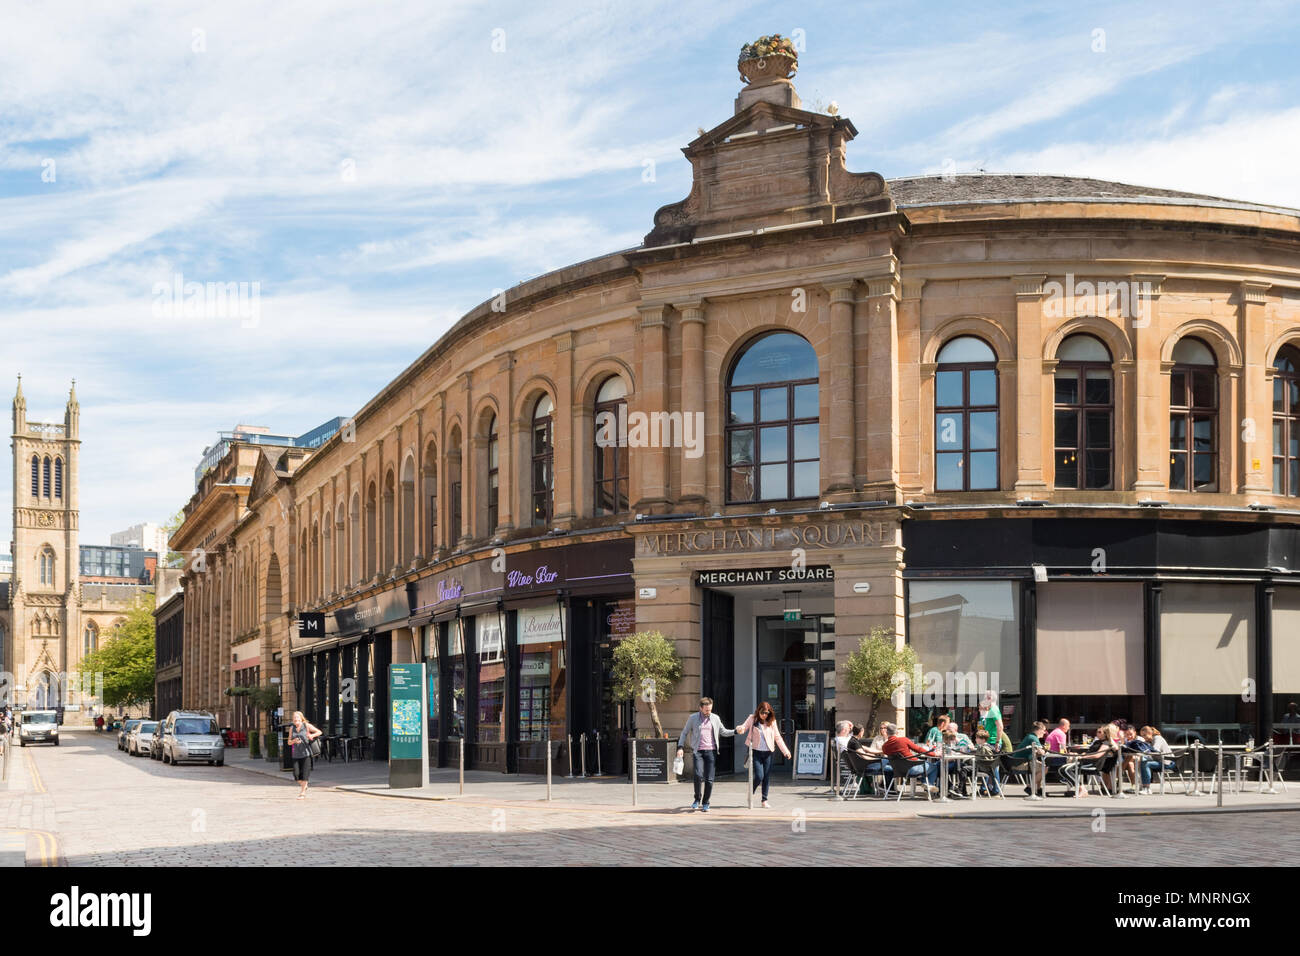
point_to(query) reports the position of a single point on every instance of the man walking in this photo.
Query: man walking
(704, 733)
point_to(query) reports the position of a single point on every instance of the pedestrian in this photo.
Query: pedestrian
(704, 733)
(301, 735)
(763, 738)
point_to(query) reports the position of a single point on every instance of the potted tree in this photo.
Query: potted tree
(267, 698)
(878, 669)
(646, 664)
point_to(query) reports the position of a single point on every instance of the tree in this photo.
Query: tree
(126, 658)
(646, 664)
(879, 668)
(173, 559)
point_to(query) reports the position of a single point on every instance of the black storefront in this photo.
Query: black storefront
(1189, 625)
(341, 679)
(518, 652)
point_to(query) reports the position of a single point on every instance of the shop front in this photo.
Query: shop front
(341, 680)
(1188, 625)
(517, 650)
(768, 609)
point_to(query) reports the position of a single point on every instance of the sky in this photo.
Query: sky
(373, 171)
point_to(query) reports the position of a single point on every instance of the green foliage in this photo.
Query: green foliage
(173, 559)
(254, 746)
(126, 658)
(879, 668)
(646, 664)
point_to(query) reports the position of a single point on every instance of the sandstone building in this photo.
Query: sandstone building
(1045, 429)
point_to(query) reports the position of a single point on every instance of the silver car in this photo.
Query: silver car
(127, 727)
(137, 739)
(190, 736)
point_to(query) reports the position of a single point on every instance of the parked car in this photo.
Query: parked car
(155, 741)
(137, 741)
(126, 729)
(192, 736)
(39, 727)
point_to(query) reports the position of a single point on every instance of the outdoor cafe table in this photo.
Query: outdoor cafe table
(952, 756)
(1269, 767)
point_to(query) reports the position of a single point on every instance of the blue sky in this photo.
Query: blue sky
(380, 168)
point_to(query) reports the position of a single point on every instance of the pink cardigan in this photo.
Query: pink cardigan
(770, 737)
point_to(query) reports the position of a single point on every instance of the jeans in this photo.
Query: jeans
(1068, 771)
(1147, 765)
(762, 768)
(929, 770)
(706, 762)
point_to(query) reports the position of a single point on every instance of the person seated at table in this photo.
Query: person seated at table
(897, 745)
(876, 762)
(843, 731)
(1102, 752)
(958, 770)
(878, 741)
(1157, 759)
(1028, 749)
(935, 736)
(1132, 746)
(986, 756)
(1058, 745)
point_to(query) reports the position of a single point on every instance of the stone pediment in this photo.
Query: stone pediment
(769, 165)
(264, 479)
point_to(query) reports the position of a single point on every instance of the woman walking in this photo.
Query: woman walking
(763, 738)
(301, 734)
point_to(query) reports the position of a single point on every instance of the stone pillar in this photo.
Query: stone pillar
(509, 476)
(650, 472)
(464, 465)
(1029, 423)
(841, 399)
(564, 482)
(882, 388)
(1149, 409)
(693, 491)
(910, 451)
(1256, 469)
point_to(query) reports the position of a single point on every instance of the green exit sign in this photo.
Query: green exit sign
(791, 615)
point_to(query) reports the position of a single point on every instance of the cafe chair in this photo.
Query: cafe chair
(984, 771)
(852, 771)
(902, 768)
(1092, 774)
(1015, 771)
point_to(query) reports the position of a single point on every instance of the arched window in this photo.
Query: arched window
(431, 497)
(773, 428)
(611, 471)
(36, 477)
(453, 487)
(45, 477)
(407, 512)
(1286, 422)
(543, 460)
(90, 640)
(966, 416)
(1085, 412)
(47, 567)
(58, 477)
(493, 476)
(1193, 418)
(354, 540)
(372, 530)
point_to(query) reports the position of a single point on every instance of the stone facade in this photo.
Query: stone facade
(776, 235)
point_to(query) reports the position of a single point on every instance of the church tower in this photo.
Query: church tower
(44, 598)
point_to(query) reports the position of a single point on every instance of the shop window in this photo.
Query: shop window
(541, 673)
(455, 666)
(610, 478)
(1286, 422)
(1193, 418)
(1286, 665)
(489, 644)
(773, 434)
(432, 638)
(543, 460)
(966, 416)
(966, 635)
(1090, 654)
(1207, 661)
(1084, 414)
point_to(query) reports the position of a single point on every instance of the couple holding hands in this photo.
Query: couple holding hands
(704, 732)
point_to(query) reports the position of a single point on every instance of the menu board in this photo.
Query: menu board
(653, 760)
(810, 753)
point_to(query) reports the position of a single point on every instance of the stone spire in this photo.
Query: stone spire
(72, 414)
(20, 407)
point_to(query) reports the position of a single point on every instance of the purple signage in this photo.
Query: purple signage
(541, 575)
(449, 589)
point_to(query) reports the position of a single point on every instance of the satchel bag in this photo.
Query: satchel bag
(314, 748)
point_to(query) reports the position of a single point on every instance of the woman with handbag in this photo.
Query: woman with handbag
(302, 738)
(764, 739)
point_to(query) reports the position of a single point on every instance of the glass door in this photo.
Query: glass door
(792, 675)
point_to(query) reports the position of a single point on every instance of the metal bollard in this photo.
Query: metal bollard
(749, 786)
(462, 766)
(569, 739)
(582, 742)
(1272, 777)
(548, 771)
(632, 745)
(1119, 774)
(1218, 773)
(943, 777)
(599, 771)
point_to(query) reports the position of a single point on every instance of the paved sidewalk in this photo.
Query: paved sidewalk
(729, 799)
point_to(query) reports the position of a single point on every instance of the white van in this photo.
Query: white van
(39, 727)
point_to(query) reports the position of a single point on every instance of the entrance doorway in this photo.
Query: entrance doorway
(796, 662)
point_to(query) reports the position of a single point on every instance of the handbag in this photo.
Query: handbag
(314, 749)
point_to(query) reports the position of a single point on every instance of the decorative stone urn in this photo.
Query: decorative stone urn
(760, 71)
